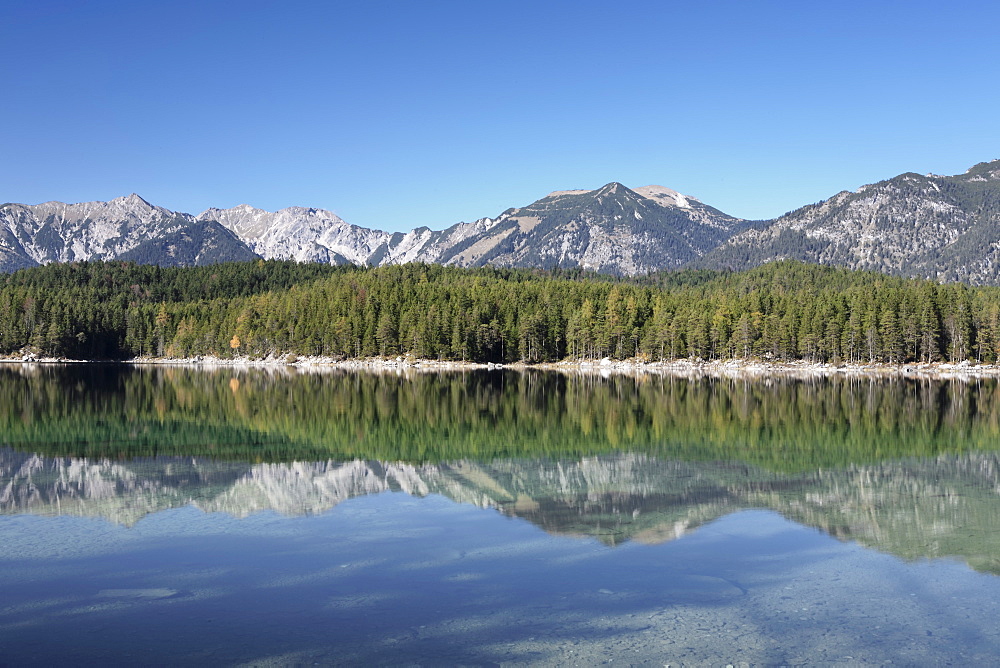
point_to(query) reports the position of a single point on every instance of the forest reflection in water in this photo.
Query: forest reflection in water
(903, 466)
(280, 414)
(247, 516)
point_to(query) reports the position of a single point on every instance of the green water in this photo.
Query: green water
(779, 424)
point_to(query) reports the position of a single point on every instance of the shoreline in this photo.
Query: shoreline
(731, 368)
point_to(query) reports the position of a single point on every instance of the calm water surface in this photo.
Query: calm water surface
(165, 516)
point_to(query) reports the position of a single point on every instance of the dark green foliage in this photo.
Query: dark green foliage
(87, 310)
(783, 311)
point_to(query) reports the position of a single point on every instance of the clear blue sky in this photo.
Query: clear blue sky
(396, 114)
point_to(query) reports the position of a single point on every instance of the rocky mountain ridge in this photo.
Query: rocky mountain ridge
(612, 229)
(945, 228)
(127, 228)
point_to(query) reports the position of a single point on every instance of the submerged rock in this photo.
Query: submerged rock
(137, 593)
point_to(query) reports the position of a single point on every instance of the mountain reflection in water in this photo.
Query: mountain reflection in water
(916, 508)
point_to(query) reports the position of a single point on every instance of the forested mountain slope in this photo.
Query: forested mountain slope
(613, 229)
(941, 227)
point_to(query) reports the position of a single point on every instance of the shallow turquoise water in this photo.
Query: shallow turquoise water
(393, 579)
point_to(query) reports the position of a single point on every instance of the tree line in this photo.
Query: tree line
(783, 311)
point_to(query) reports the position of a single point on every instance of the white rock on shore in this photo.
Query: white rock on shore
(681, 367)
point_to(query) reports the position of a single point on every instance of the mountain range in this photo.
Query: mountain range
(940, 227)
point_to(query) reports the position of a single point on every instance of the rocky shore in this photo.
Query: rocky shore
(736, 368)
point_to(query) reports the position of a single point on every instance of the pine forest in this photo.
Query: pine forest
(780, 311)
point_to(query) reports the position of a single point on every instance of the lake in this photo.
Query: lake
(171, 515)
